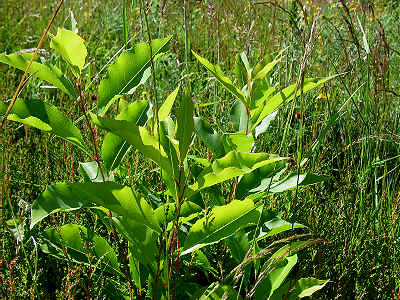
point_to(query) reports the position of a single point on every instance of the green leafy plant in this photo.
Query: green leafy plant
(168, 238)
(257, 101)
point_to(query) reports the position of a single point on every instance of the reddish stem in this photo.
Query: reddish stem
(92, 132)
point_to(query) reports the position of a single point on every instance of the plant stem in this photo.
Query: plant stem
(92, 133)
(185, 26)
(300, 78)
(158, 266)
(21, 83)
(153, 72)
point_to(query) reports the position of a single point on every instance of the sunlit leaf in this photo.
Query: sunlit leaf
(275, 279)
(263, 126)
(308, 286)
(91, 173)
(304, 287)
(219, 75)
(79, 243)
(266, 65)
(119, 199)
(232, 165)
(166, 107)
(138, 137)
(292, 180)
(184, 128)
(71, 47)
(240, 71)
(220, 223)
(143, 240)
(276, 226)
(239, 118)
(211, 139)
(127, 71)
(287, 95)
(167, 212)
(223, 292)
(46, 117)
(238, 141)
(114, 147)
(45, 72)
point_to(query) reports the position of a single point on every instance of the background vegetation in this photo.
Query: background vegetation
(355, 118)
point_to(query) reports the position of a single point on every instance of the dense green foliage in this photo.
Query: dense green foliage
(196, 191)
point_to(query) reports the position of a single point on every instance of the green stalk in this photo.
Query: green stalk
(22, 81)
(153, 72)
(124, 22)
(185, 26)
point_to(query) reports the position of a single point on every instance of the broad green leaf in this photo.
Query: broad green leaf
(265, 66)
(166, 107)
(167, 212)
(259, 180)
(275, 279)
(224, 292)
(261, 64)
(291, 181)
(143, 141)
(80, 243)
(239, 118)
(134, 268)
(238, 142)
(238, 245)
(245, 61)
(121, 200)
(276, 226)
(257, 183)
(201, 261)
(219, 75)
(210, 138)
(265, 124)
(91, 173)
(127, 71)
(138, 137)
(220, 223)
(45, 117)
(232, 165)
(114, 147)
(114, 290)
(287, 95)
(146, 75)
(184, 128)
(71, 47)
(45, 72)
(204, 162)
(261, 95)
(143, 240)
(305, 287)
(282, 292)
(171, 148)
(240, 71)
